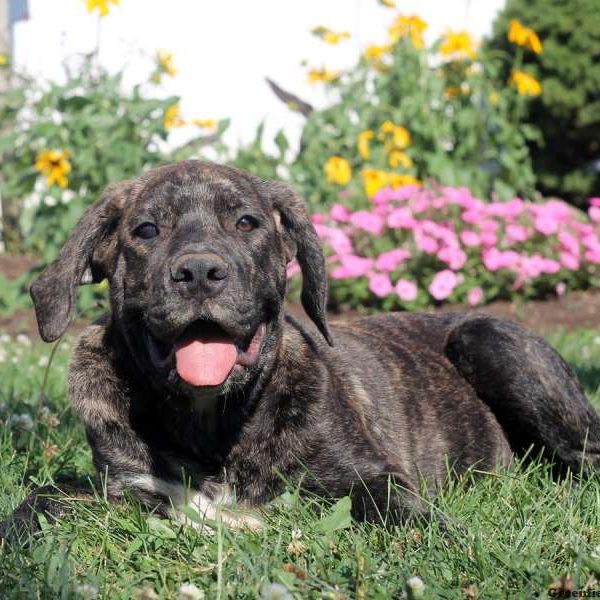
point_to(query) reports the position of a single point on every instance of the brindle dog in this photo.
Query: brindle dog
(198, 389)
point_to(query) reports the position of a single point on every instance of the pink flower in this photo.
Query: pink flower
(293, 268)
(594, 212)
(473, 216)
(475, 296)
(469, 238)
(488, 238)
(546, 224)
(561, 289)
(339, 241)
(407, 290)
(494, 259)
(388, 261)
(425, 243)
(401, 218)
(443, 284)
(594, 201)
(516, 233)
(367, 221)
(489, 226)
(352, 266)
(549, 266)
(455, 258)
(318, 219)
(380, 285)
(569, 242)
(569, 261)
(340, 213)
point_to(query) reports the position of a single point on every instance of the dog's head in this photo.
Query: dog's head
(196, 257)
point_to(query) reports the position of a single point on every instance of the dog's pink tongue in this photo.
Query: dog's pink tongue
(205, 362)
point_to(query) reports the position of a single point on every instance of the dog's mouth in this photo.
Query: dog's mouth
(206, 354)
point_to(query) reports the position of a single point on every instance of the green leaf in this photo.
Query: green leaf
(339, 517)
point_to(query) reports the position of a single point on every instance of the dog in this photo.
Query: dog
(197, 390)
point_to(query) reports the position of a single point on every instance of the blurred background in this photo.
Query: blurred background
(448, 151)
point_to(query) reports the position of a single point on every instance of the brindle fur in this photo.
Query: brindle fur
(412, 397)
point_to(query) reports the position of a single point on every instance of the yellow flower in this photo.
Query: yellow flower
(524, 36)
(408, 27)
(396, 180)
(205, 123)
(328, 36)
(374, 180)
(458, 45)
(526, 84)
(397, 157)
(364, 139)
(165, 63)
(54, 165)
(494, 98)
(323, 75)
(172, 117)
(388, 3)
(3, 60)
(396, 136)
(374, 52)
(100, 5)
(338, 170)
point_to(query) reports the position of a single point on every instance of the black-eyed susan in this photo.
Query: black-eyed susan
(396, 137)
(411, 27)
(338, 170)
(102, 6)
(323, 76)
(364, 143)
(458, 45)
(526, 84)
(165, 63)
(328, 36)
(55, 166)
(524, 36)
(205, 123)
(172, 117)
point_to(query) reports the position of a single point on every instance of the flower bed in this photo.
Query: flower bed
(422, 245)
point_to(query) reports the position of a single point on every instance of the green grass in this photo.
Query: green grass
(510, 535)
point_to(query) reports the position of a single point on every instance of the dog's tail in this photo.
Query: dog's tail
(531, 390)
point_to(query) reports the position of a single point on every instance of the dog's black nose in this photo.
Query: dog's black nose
(205, 273)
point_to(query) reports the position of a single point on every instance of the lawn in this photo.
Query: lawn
(509, 535)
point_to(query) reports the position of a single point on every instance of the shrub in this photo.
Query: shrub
(567, 112)
(406, 112)
(68, 141)
(421, 246)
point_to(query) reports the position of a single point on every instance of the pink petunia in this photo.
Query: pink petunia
(406, 290)
(475, 296)
(569, 261)
(352, 266)
(455, 258)
(367, 221)
(470, 238)
(425, 243)
(443, 284)
(340, 213)
(401, 218)
(516, 233)
(380, 285)
(594, 213)
(388, 261)
(339, 241)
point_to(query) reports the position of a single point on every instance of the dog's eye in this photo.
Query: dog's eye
(146, 231)
(246, 223)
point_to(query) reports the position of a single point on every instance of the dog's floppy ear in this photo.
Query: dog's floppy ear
(302, 242)
(54, 292)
